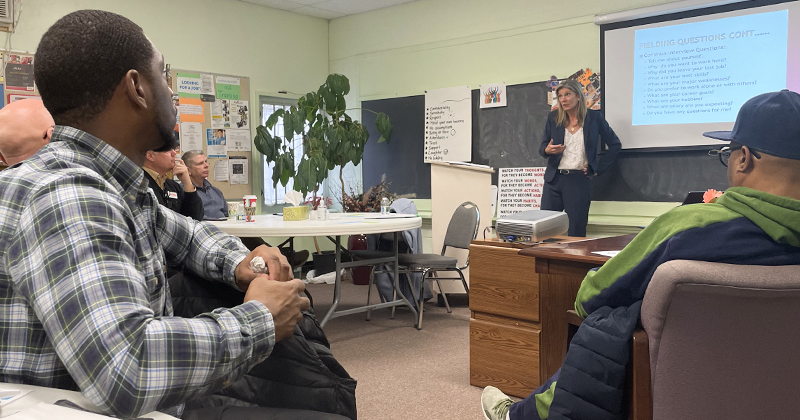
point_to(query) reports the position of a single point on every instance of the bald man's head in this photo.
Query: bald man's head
(25, 126)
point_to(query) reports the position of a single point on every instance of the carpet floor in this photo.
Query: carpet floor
(403, 373)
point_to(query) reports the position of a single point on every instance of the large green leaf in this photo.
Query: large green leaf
(277, 170)
(384, 126)
(298, 121)
(273, 119)
(338, 83)
(265, 143)
(301, 181)
(288, 126)
(328, 97)
(341, 103)
(321, 166)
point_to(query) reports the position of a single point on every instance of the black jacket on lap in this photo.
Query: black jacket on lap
(300, 373)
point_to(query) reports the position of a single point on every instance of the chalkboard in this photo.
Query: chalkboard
(401, 160)
(509, 137)
(659, 176)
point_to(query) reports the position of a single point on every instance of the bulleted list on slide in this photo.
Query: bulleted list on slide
(703, 72)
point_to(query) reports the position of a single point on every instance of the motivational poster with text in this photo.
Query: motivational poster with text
(520, 189)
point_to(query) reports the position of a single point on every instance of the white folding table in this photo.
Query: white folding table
(338, 225)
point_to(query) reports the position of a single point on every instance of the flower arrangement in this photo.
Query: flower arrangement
(314, 202)
(711, 196)
(370, 200)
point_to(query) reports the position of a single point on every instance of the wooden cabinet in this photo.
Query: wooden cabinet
(518, 327)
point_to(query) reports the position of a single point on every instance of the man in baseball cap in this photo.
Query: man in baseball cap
(755, 222)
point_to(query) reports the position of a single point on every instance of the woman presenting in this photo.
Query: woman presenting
(572, 143)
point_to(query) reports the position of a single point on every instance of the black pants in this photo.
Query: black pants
(572, 194)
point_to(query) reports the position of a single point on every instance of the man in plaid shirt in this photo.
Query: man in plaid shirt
(83, 296)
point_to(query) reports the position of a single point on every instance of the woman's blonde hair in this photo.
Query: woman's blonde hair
(577, 89)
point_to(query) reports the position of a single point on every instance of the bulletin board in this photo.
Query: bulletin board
(16, 77)
(214, 115)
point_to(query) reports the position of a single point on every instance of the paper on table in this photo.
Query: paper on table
(607, 253)
(44, 411)
(20, 393)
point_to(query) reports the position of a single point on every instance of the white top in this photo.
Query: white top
(337, 224)
(574, 156)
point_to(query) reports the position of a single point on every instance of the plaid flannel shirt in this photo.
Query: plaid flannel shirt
(84, 301)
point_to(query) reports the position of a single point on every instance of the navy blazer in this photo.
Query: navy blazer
(596, 131)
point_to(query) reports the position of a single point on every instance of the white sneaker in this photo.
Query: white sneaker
(495, 404)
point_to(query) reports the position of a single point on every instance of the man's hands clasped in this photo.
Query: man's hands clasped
(277, 289)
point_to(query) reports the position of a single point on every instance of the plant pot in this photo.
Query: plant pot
(360, 274)
(324, 263)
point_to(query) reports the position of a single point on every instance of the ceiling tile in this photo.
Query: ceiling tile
(328, 9)
(351, 7)
(316, 12)
(309, 2)
(277, 4)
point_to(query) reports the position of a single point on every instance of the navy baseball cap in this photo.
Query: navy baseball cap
(768, 123)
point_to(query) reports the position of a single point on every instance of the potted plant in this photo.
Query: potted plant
(330, 137)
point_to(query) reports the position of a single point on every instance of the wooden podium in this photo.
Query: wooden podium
(451, 185)
(519, 297)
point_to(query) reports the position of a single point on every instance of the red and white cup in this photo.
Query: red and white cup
(250, 206)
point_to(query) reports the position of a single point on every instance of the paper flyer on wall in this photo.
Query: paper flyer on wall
(493, 95)
(191, 110)
(189, 85)
(448, 124)
(219, 110)
(238, 140)
(520, 189)
(238, 169)
(191, 137)
(228, 88)
(18, 72)
(239, 115)
(221, 170)
(216, 145)
(207, 84)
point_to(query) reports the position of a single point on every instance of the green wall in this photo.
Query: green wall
(396, 51)
(430, 44)
(277, 50)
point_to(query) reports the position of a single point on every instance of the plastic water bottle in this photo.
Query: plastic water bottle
(322, 210)
(385, 205)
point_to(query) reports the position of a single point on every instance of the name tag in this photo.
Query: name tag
(172, 194)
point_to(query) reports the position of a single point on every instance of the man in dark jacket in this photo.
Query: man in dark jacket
(755, 222)
(180, 199)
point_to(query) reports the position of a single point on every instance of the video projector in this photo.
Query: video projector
(532, 226)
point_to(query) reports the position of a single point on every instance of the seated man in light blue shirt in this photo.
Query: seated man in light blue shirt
(214, 204)
(216, 207)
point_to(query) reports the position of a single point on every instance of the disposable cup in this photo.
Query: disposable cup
(249, 200)
(233, 209)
